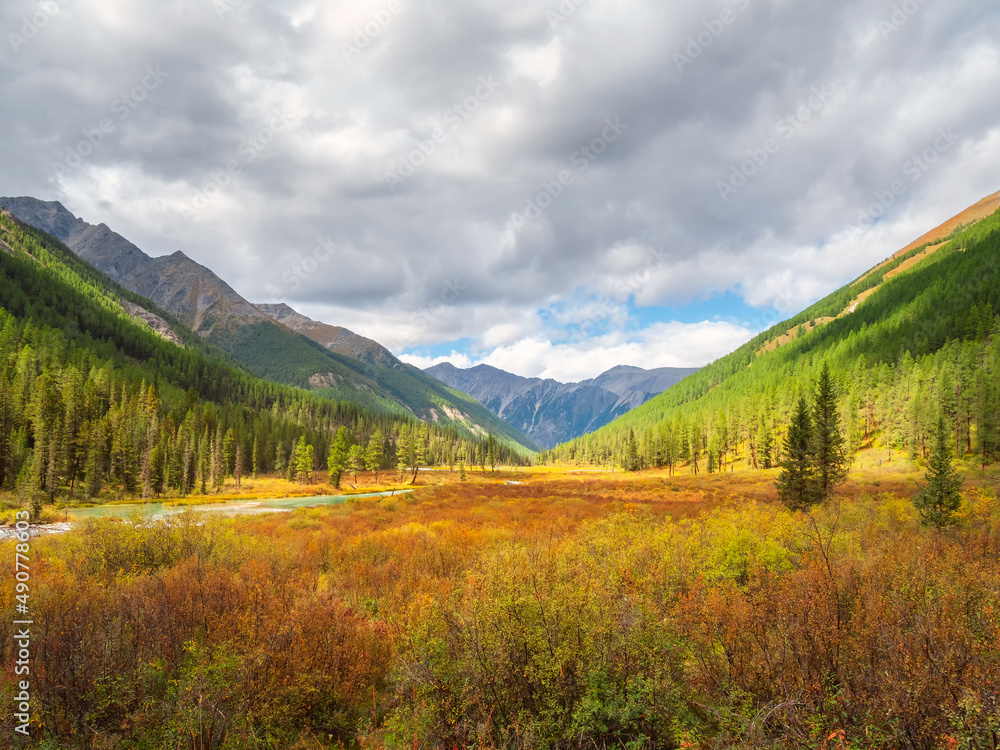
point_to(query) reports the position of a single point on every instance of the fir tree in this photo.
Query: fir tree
(828, 450)
(797, 483)
(940, 499)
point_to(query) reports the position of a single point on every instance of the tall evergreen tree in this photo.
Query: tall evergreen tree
(339, 456)
(373, 453)
(303, 460)
(404, 449)
(356, 458)
(797, 482)
(229, 451)
(491, 451)
(827, 447)
(938, 502)
(238, 465)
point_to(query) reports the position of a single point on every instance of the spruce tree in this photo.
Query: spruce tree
(828, 449)
(938, 502)
(797, 481)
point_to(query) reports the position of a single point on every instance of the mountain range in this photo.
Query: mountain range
(270, 341)
(550, 412)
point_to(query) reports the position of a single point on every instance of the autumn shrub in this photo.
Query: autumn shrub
(545, 646)
(190, 652)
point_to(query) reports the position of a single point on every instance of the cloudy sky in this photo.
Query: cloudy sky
(549, 187)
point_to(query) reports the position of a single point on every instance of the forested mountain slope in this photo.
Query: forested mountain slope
(94, 400)
(914, 337)
(197, 297)
(334, 338)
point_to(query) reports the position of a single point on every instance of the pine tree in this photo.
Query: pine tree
(491, 451)
(695, 447)
(356, 457)
(373, 454)
(404, 448)
(203, 462)
(254, 457)
(339, 456)
(765, 446)
(797, 482)
(828, 449)
(187, 468)
(938, 502)
(309, 461)
(630, 457)
(55, 460)
(218, 460)
(229, 451)
(238, 466)
(279, 458)
(418, 454)
(96, 450)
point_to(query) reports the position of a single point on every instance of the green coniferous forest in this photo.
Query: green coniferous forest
(94, 403)
(923, 345)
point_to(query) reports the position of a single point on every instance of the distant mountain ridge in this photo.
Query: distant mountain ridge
(271, 341)
(551, 412)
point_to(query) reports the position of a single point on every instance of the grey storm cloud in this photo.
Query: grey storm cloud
(273, 126)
